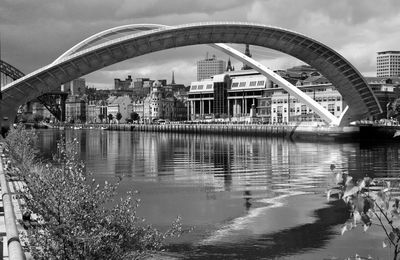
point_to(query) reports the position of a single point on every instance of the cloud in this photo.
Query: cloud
(154, 8)
(34, 33)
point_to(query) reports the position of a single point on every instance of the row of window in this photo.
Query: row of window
(251, 84)
(201, 87)
(304, 109)
(318, 99)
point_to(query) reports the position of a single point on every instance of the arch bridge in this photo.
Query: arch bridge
(49, 99)
(92, 54)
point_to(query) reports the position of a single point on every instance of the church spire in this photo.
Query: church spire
(248, 54)
(229, 66)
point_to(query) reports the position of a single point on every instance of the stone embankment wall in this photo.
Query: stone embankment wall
(286, 131)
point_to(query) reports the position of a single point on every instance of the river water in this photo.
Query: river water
(244, 197)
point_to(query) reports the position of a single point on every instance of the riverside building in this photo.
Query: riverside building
(249, 96)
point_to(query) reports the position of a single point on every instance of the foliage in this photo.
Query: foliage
(371, 202)
(394, 109)
(134, 116)
(110, 117)
(101, 117)
(20, 147)
(74, 216)
(118, 116)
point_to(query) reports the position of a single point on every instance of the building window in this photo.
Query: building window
(242, 84)
(260, 83)
(331, 108)
(194, 87)
(303, 109)
(253, 83)
(235, 84)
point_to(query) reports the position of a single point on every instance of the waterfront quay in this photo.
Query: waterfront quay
(291, 131)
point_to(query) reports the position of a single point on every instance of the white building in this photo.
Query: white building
(209, 67)
(388, 64)
(286, 108)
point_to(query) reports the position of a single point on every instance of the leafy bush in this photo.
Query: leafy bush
(371, 202)
(73, 217)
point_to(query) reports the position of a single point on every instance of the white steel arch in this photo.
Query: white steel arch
(133, 28)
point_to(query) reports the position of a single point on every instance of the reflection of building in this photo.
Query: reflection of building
(209, 67)
(388, 64)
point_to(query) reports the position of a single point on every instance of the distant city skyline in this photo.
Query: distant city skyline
(34, 33)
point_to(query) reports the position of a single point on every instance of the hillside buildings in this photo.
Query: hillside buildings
(149, 99)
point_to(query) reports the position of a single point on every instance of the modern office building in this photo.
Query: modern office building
(388, 64)
(209, 67)
(231, 94)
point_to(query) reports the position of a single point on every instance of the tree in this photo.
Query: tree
(118, 116)
(77, 218)
(371, 202)
(396, 108)
(110, 117)
(101, 117)
(134, 116)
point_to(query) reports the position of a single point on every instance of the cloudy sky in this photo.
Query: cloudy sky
(34, 33)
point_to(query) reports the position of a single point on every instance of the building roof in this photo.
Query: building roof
(388, 52)
(382, 80)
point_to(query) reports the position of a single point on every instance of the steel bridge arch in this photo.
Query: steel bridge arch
(10, 71)
(348, 81)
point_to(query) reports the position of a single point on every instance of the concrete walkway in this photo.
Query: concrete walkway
(10, 216)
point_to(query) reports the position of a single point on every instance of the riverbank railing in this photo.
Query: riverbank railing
(14, 247)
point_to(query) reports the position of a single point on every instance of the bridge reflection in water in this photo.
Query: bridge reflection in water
(247, 198)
